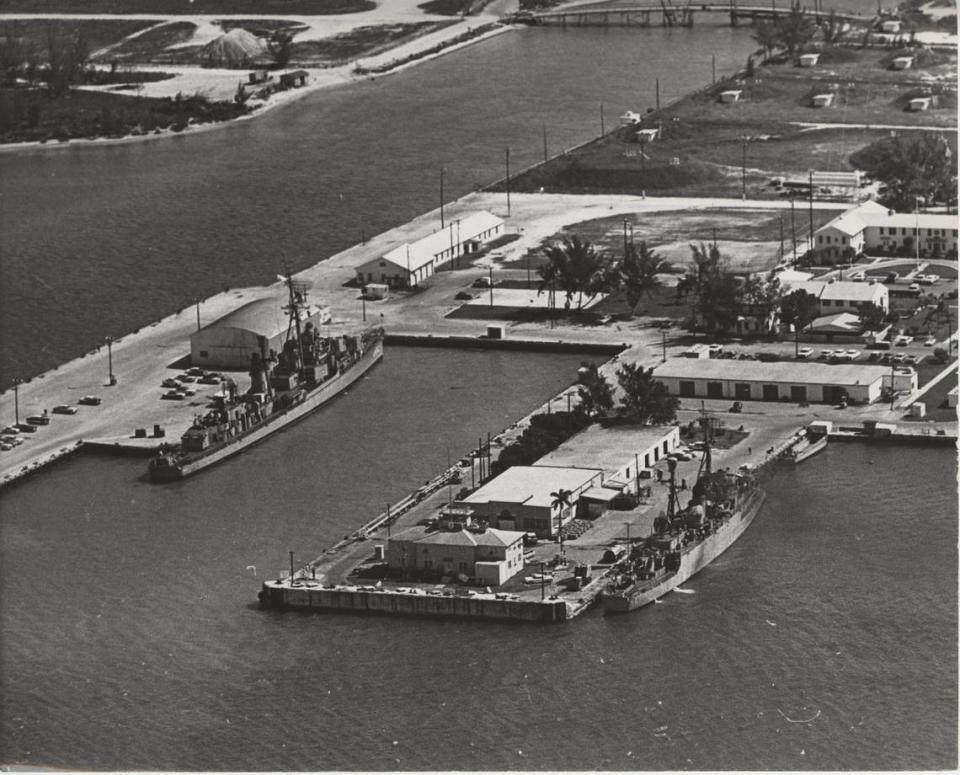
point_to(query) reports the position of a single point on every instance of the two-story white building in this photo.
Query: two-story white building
(871, 225)
(835, 296)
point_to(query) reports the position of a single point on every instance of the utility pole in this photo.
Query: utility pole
(811, 209)
(658, 95)
(16, 399)
(743, 170)
(781, 237)
(544, 142)
(793, 228)
(663, 334)
(441, 197)
(363, 305)
(624, 237)
(714, 69)
(508, 182)
(491, 286)
(197, 302)
(602, 129)
(291, 567)
(112, 379)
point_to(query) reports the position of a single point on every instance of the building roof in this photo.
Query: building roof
(855, 220)
(607, 448)
(532, 485)
(789, 372)
(264, 317)
(842, 322)
(462, 537)
(839, 290)
(414, 255)
(910, 221)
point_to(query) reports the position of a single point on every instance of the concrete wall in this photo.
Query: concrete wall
(320, 599)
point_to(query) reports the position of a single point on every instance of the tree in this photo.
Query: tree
(914, 166)
(832, 27)
(798, 309)
(767, 35)
(871, 316)
(645, 399)
(560, 501)
(280, 47)
(795, 30)
(638, 272)
(576, 267)
(66, 59)
(596, 395)
(718, 296)
(760, 296)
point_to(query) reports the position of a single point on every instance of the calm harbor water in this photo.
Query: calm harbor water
(825, 639)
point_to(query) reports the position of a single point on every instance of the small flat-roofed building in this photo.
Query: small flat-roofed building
(891, 26)
(903, 378)
(410, 263)
(821, 100)
(647, 135)
(808, 60)
(622, 452)
(483, 556)
(952, 396)
(257, 327)
(901, 63)
(730, 95)
(834, 296)
(796, 381)
(918, 104)
(521, 498)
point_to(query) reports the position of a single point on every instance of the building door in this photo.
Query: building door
(687, 388)
(714, 390)
(770, 393)
(741, 390)
(798, 393)
(832, 394)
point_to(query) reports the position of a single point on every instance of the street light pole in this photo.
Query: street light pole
(441, 197)
(743, 170)
(112, 380)
(793, 227)
(508, 181)
(363, 305)
(197, 301)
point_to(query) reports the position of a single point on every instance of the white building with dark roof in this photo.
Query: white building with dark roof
(795, 381)
(871, 225)
(410, 263)
(483, 556)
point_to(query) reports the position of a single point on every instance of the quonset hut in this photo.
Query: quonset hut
(257, 327)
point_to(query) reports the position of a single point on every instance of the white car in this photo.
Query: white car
(914, 287)
(927, 279)
(858, 277)
(715, 348)
(804, 352)
(903, 340)
(853, 354)
(930, 341)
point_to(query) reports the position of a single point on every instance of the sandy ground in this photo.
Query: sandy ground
(142, 360)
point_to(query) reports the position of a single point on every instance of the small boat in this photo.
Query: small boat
(806, 447)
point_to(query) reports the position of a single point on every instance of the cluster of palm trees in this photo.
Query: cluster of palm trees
(577, 269)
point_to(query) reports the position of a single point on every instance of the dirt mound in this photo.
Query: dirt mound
(237, 48)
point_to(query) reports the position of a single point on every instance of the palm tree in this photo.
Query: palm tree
(561, 501)
(575, 266)
(638, 272)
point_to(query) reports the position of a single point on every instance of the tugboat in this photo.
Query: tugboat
(685, 540)
(310, 370)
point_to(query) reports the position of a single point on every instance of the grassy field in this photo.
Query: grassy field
(31, 115)
(704, 145)
(361, 41)
(97, 32)
(166, 7)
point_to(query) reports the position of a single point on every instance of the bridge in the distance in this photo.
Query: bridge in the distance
(664, 13)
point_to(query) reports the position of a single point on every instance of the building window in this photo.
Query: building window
(204, 354)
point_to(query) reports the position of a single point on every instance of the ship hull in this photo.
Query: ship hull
(809, 450)
(313, 401)
(693, 559)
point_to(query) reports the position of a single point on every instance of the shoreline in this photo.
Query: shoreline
(323, 78)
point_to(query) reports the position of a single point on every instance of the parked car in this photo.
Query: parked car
(930, 341)
(169, 382)
(11, 429)
(463, 296)
(805, 352)
(853, 354)
(173, 395)
(210, 379)
(892, 277)
(64, 409)
(186, 378)
(914, 287)
(715, 349)
(927, 279)
(903, 340)
(38, 419)
(90, 401)
(825, 354)
(858, 277)
(13, 441)
(27, 427)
